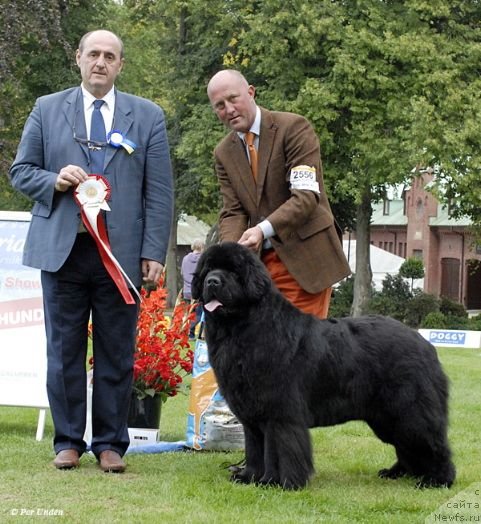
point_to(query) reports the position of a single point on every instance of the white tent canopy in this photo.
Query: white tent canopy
(382, 263)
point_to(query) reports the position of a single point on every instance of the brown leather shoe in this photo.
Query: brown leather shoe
(67, 459)
(111, 462)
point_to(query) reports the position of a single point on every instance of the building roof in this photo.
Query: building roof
(444, 220)
(396, 216)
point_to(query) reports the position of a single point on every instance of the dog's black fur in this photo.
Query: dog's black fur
(283, 371)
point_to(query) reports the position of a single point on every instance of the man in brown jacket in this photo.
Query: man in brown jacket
(274, 200)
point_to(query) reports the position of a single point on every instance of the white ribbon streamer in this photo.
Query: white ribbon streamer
(92, 196)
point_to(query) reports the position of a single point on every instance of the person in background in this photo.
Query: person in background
(94, 144)
(274, 202)
(189, 263)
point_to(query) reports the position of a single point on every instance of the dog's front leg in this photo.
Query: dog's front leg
(287, 455)
(254, 444)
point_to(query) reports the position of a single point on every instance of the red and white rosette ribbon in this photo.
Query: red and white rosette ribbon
(92, 196)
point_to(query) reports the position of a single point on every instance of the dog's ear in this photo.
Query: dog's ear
(257, 280)
(197, 283)
(196, 287)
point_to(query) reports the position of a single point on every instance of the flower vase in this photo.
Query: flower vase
(145, 412)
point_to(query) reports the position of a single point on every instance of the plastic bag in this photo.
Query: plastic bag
(211, 425)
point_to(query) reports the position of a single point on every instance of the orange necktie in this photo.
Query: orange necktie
(249, 139)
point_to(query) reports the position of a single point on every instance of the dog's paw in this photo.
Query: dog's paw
(395, 472)
(268, 481)
(244, 476)
(429, 482)
(287, 484)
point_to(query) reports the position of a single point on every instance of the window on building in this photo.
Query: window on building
(386, 206)
(419, 208)
(450, 207)
(418, 253)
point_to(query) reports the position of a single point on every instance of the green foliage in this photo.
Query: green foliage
(439, 320)
(419, 306)
(393, 298)
(412, 268)
(451, 308)
(456, 322)
(449, 320)
(38, 39)
(474, 323)
(388, 85)
(341, 300)
(173, 49)
(434, 320)
(452, 315)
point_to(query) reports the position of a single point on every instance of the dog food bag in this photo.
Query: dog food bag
(211, 425)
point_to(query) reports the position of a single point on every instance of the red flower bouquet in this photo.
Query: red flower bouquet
(163, 356)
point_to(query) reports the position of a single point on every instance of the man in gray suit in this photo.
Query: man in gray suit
(58, 151)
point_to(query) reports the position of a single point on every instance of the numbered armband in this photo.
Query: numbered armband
(304, 178)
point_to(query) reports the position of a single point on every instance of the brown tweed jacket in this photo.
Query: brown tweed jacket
(306, 239)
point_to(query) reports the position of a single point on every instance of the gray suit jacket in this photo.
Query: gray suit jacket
(141, 199)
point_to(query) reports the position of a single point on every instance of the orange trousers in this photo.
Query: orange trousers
(317, 304)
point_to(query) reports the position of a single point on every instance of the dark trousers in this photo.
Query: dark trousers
(80, 289)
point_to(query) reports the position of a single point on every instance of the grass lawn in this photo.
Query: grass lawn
(194, 487)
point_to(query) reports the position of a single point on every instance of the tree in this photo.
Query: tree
(375, 77)
(393, 299)
(38, 39)
(412, 268)
(177, 46)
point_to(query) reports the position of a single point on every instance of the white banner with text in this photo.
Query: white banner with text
(23, 362)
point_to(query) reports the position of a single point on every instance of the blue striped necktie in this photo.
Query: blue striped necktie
(97, 134)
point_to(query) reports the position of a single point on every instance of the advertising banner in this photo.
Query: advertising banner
(23, 362)
(452, 338)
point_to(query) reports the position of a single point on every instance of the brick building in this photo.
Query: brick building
(418, 225)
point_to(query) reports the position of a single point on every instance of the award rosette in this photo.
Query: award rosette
(92, 196)
(116, 139)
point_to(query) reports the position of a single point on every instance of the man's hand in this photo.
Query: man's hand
(70, 176)
(252, 238)
(151, 270)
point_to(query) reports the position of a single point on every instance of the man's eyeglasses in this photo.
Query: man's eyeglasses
(93, 145)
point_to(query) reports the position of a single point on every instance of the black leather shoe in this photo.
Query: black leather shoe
(67, 459)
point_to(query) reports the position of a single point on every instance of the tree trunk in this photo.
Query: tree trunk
(171, 265)
(363, 277)
(171, 262)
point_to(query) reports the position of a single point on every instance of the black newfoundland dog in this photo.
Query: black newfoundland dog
(283, 371)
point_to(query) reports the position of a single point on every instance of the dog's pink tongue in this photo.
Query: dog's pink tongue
(212, 305)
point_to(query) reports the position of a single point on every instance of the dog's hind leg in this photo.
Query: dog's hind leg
(288, 455)
(254, 447)
(425, 454)
(383, 429)
(430, 460)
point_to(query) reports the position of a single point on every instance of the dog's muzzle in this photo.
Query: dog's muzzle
(212, 283)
